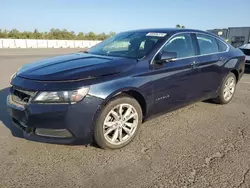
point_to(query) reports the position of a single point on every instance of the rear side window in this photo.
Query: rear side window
(207, 44)
(181, 44)
(222, 46)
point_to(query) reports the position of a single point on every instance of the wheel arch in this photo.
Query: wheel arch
(236, 73)
(233, 66)
(132, 92)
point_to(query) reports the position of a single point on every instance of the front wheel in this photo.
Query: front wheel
(227, 90)
(118, 122)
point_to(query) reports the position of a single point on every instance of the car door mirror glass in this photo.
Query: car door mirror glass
(164, 57)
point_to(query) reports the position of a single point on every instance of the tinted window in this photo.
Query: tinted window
(181, 44)
(207, 44)
(222, 46)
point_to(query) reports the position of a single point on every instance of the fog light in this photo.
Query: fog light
(57, 133)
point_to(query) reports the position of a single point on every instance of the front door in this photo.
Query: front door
(175, 83)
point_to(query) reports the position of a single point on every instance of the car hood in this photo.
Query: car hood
(74, 67)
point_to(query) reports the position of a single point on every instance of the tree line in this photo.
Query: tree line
(63, 34)
(179, 26)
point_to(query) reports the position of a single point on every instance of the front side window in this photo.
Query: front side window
(129, 44)
(207, 44)
(181, 45)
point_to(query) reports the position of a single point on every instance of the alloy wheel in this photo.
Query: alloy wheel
(229, 88)
(120, 124)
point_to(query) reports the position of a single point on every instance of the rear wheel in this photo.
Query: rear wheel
(118, 122)
(227, 90)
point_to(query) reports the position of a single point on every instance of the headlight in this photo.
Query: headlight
(62, 96)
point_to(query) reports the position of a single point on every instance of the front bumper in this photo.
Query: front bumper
(56, 123)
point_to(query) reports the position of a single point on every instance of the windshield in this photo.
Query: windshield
(128, 44)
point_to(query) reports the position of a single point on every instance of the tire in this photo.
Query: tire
(222, 99)
(115, 126)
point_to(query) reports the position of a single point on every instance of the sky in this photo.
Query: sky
(121, 15)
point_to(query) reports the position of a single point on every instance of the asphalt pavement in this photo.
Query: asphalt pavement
(201, 145)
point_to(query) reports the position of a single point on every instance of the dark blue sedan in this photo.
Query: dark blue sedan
(104, 94)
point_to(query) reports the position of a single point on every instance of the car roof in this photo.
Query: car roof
(169, 30)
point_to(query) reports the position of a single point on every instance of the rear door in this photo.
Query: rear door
(210, 61)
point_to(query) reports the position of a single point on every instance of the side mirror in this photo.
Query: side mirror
(164, 57)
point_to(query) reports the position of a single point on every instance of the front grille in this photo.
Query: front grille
(22, 96)
(246, 51)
